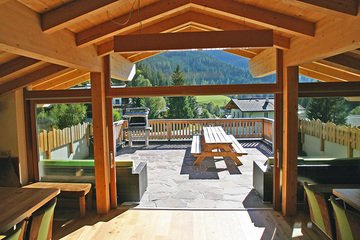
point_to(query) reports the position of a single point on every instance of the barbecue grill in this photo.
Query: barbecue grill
(137, 120)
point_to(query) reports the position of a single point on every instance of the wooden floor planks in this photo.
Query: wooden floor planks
(185, 224)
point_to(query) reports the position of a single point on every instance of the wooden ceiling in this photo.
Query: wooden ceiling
(57, 52)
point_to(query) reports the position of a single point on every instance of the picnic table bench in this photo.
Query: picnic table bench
(215, 142)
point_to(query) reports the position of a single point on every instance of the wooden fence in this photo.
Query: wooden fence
(184, 129)
(342, 135)
(162, 129)
(47, 141)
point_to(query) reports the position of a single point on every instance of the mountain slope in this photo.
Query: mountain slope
(205, 67)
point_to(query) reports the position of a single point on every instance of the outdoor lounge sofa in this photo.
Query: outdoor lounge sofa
(131, 181)
(311, 170)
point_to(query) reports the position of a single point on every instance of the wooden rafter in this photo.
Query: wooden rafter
(333, 38)
(71, 12)
(193, 40)
(44, 73)
(329, 89)
(190, 18)
(58, 48)
(345, 61)
(344, 6)
(110, 28)
(18, 64)
(141, 56)
(222, 24)
(332, 72)
(241, 52)
(44, 85)
(259, 16)
(72, 82)
(317, 75)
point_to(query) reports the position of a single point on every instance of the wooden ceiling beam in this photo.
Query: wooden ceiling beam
(345, 61)
(221, 24)
(141, 56)
(121, 68)
(259, 16)
(332, 72)
(341, 89)
(21, 34)
(71, 12)
(194, 90)
(71, 74)
(47, 72)
(71, 83)
(172, 25)
(241, 52)
(333, 37)
(16, 65)
(148, 13)
(193, 40)
(263, 63)
(318, 76)
(167, 25)
(349, 7)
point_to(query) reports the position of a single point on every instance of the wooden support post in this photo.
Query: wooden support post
(110, 124)
(278, 132)
(100, 143)
(290, 139)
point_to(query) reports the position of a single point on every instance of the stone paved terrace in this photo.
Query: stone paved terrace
(173, 181)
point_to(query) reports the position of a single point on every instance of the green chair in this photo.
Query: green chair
(320, 210)
(347, 222)
(41, 221)
(17, 234)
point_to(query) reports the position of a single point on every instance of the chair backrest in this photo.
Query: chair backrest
(18, 233)
(347, 222)
(41, 222)
(319, 211)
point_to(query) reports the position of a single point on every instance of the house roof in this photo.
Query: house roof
(254, 105)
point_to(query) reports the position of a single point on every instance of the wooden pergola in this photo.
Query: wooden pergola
(47, 47)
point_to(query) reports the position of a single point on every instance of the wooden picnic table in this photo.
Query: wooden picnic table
(215, 142)
(18, 204)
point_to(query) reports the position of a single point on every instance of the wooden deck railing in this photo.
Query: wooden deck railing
(343, 135)
(184, 129)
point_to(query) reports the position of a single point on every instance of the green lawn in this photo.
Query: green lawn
(219, 100)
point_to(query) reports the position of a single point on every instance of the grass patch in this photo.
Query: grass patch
(219, 100)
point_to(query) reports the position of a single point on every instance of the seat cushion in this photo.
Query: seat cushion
(124, 163)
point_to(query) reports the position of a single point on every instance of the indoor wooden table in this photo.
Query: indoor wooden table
(350, 196)
(18, 204)
(215, 142)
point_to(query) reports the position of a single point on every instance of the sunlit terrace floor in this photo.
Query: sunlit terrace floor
(174, 182)
(213, 201)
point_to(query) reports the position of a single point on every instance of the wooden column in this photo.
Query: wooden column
(109, 117)
(278, 131)
(290, 139)
(100, 142)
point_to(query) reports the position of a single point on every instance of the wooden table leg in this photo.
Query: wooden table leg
(199, 159)
(82, 205)
(89, 198)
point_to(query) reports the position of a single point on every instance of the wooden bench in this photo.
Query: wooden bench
(196, 145)
(237, 146)
(69, 190)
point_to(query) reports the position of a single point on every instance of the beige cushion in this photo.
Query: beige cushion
(124, 163)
